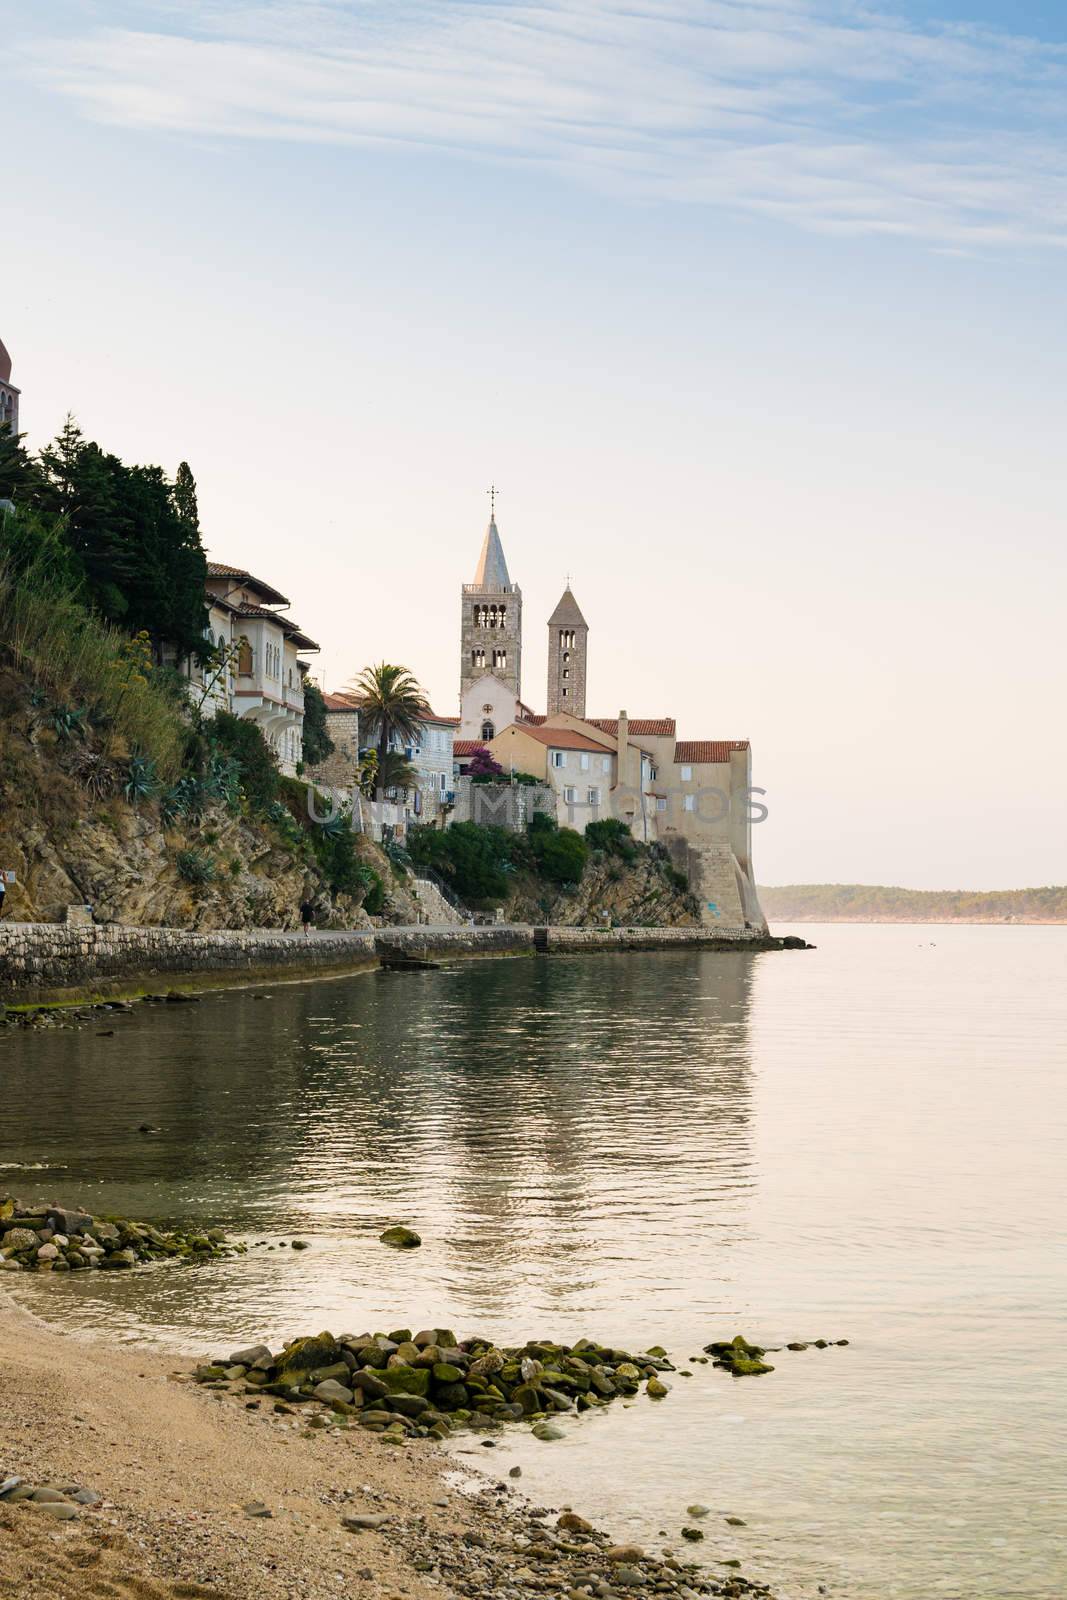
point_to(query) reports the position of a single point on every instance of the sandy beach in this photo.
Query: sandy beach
(202, 1495)
(176, 1467)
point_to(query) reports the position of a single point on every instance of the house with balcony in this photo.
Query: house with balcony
(260, 673)
(433, 761)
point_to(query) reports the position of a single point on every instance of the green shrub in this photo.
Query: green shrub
(613, 837)
(68, 722)
(238, 741)
(562, 856)
(195, 866)
(374, 898)
(473, 860)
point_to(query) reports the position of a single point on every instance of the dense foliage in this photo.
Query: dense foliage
(86, 676)
(478, 862)
(243, 742)
(613, 837)
(474, 860)
(317, 742)
(128, 538)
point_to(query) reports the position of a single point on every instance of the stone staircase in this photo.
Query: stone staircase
(437, 911)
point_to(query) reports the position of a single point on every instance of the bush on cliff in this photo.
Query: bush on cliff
(561, 855)
(243, 742)
(76, 663)
(613, 837)
(473, 860)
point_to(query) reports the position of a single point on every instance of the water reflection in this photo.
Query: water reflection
(864, 1142)
(533, 1119)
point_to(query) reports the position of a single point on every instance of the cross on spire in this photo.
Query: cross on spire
(492, 492)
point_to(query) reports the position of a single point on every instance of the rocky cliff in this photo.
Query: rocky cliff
(643, 892)
(70, 846)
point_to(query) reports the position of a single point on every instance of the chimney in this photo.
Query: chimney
(623, 741)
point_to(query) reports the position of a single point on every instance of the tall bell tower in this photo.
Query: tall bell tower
(568, 649)
(491, 628)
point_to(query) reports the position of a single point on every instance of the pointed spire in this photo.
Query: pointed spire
(492, 570)
(568, 613)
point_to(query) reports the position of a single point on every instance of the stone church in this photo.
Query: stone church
(694, 796)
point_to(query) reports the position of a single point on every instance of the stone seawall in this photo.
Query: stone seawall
(589, 939)
(44, 962)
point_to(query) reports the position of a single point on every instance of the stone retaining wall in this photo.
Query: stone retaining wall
(45, 961)
(41, 962)
(578, 939)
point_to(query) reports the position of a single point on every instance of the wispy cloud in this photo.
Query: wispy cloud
(826, 113)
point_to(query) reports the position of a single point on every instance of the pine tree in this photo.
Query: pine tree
(59, 465)
(185, 498)
(20, 476)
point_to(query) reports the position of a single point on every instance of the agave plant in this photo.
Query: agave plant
(222, 780)
(182, 799)
(141, 781)
(195, 866)
(94, 771)
(68, 722)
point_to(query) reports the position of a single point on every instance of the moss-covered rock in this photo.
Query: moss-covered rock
(306, 1355)
(739, 1357)
(405, 1380)
(400, 1238)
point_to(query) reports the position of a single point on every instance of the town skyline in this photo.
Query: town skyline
(797, 503)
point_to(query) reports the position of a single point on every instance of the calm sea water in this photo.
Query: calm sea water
(865, 1142)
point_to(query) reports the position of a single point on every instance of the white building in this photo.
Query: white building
(261, 676)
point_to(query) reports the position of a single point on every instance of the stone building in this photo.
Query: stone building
(568, 644)
(491, 623)
(340, 770)
(694, 797)
(9, 395)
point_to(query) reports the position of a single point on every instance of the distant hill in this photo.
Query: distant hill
(861, 902)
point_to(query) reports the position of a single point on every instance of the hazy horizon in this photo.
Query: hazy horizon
(752, 309)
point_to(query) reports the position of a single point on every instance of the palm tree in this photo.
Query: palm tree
(391, 701)
(395, 772)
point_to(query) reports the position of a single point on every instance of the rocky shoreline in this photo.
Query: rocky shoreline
(428, 1384)
(53, 1238)
(134, 1480)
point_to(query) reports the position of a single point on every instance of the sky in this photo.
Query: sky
(753, 310)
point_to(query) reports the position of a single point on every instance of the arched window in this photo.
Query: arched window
(488, 731)
(244, 658)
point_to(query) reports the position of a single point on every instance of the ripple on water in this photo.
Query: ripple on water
(865, 1143)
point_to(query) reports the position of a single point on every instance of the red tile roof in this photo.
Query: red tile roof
(442, 722)
(466, 747)
(220, 569)
(286, 624)
(706, 752)
(561, 738)
(340, 702)
(650, 727)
